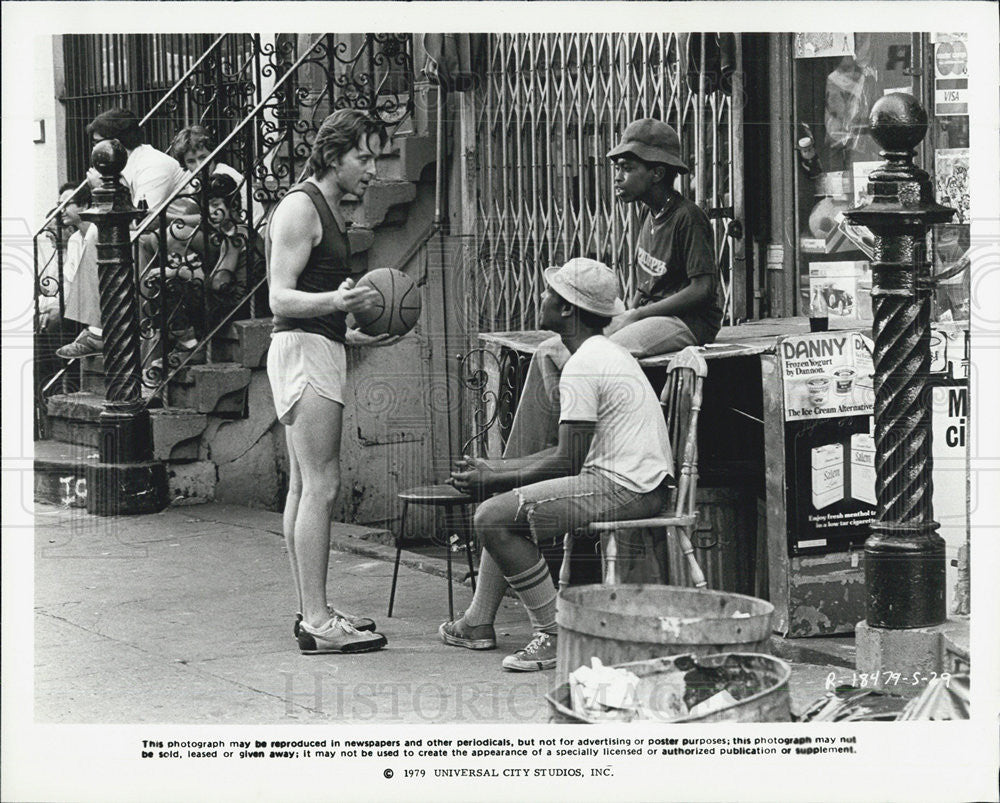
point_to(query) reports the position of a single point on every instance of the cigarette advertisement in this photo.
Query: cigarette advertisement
(827, 375)
(831, 483)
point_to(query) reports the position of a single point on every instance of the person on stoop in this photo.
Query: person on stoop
(311, 291)
(678, 301)
(150, 176)
(611, 462)
(192, 146)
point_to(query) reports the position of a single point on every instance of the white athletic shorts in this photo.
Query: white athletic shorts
(298, 359)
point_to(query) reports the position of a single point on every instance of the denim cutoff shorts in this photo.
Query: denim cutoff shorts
(552, 508)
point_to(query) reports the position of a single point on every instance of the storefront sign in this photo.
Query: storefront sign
(827, 375)
(951, 75)
(950, 421)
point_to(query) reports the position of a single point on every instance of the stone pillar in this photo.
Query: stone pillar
(904, 556)
(127, 479)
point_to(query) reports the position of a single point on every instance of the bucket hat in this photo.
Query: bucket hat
(652, 141)
(588, 284)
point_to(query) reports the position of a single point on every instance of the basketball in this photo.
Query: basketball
(398, 309)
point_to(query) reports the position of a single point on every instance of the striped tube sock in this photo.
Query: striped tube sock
(534, 587)
(490, 588)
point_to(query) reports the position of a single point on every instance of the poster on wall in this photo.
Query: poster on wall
(830, 470)
(827, 375)
(823, 45)
(830, 452)
(843, 289)
(951, 74)
(860, 172)
(951, 179)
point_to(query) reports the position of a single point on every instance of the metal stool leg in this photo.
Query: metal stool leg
(399, 549)
(467, 535)
(448, 530)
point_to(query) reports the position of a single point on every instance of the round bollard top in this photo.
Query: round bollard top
(898, 122)
(109, 157)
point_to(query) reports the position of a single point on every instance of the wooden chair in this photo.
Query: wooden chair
(681, 400)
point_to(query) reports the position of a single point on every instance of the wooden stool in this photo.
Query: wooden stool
(449, 498)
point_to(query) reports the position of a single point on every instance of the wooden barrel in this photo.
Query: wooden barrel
(769, 702)
(636, 622)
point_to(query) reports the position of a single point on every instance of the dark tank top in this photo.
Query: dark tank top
(329, 264)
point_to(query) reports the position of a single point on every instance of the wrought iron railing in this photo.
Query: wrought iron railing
(199, 254)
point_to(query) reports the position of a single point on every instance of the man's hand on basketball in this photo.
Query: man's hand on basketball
(355, 337)
(355, 299)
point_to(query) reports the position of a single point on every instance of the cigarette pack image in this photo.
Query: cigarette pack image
(863, 467)
(827, 475)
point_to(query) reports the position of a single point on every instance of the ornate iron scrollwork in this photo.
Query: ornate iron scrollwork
(503, 400)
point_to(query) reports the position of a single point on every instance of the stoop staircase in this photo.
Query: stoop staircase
(213, 413)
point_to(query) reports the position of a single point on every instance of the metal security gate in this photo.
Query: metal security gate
(551, 106)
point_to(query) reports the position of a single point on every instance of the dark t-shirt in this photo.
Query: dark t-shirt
(675, 245)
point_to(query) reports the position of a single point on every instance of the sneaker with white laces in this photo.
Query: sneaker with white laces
(537, 654)
(337, 636)
(87, 344)
(357, 622)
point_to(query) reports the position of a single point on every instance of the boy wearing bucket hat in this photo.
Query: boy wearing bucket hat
(677, 302)
(678, 298)
(611, 462)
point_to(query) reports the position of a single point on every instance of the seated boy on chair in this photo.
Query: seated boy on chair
(611, 462)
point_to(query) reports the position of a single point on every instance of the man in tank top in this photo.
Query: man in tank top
(311, 292)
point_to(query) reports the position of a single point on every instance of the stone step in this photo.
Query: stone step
(177, 433)
(384, 204)
(60, 476)
(219, 388)
(74, 419)
(244, 343)
(92, 374)
(59, 470)
(361, 239)
(407, 160)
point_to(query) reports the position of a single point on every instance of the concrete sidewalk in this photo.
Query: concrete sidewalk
(186, 616)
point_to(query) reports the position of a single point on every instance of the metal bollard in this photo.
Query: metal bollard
(127, 479)
(904, 556)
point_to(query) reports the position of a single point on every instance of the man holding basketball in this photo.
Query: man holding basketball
(611, 462)
(311, 292)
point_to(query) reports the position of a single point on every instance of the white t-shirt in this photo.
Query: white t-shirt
(602, 382)
(151, 175)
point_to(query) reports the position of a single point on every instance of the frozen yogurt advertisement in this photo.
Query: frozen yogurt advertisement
(827, 375)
